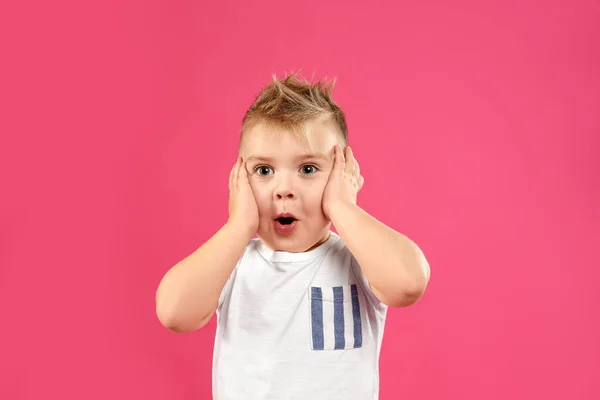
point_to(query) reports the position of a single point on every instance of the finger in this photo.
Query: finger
(244, 173)
(361, 182)
(232, 174)
(236, 174)
(356, 168)
(241, 167)
(349, 160)
(340, 161)
(336, 160)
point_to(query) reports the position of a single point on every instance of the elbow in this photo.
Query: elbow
(412, 282)
(167, 318)
(407, 298)
(408, 294)
(177, 322)
(415, 289)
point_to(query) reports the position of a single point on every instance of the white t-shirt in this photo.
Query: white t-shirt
(298, 326)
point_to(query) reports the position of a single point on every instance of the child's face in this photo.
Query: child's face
(287, 176)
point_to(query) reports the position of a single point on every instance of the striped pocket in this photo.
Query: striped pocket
(335, 318)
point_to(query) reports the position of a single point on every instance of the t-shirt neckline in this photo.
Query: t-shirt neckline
(284, 256)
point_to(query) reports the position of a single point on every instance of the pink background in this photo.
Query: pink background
(477, 128)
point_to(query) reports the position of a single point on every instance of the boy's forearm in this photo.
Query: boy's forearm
(189, 292)
(394, 265)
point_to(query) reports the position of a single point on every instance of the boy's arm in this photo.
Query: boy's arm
(394, 265)
(188, 295)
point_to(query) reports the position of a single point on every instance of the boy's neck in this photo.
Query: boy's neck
(314, 246)
(320, 242)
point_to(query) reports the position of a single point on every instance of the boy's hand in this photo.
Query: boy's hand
(243, 211)
(344, 181)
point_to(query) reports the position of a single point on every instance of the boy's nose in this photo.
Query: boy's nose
(284, 193)
(284, 188)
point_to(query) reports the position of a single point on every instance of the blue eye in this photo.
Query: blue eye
(309, 169)
(263, 170)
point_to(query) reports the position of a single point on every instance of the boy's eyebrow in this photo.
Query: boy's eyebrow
(252, 158)
(319, 156)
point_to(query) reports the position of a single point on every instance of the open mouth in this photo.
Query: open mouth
(285, 223)
(286, 220)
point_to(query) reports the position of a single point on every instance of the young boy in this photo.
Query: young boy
(300, 309)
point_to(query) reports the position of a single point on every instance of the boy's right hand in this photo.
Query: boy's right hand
(243, 211)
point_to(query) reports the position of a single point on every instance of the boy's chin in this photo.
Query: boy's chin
(294, 243)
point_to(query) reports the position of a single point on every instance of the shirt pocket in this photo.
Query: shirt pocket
(335, 317)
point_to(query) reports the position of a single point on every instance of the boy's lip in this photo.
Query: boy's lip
(285, 215)
(285, 228)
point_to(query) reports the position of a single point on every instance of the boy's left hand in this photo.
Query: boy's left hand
(345, 181)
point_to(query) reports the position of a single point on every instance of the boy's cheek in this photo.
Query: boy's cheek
(257, 189)
(262, 201)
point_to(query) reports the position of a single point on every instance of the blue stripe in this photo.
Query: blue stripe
(338, 317)
(356, 316)
(316, 314)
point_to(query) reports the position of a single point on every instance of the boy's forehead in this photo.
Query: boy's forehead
(264, 140)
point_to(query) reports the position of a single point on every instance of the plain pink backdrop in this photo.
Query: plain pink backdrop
(476, 124)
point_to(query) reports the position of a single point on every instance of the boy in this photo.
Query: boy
(300, 309)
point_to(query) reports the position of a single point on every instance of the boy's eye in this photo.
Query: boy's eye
(308, 169)
(263, 170)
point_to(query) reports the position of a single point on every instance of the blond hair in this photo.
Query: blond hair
(290, 102)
